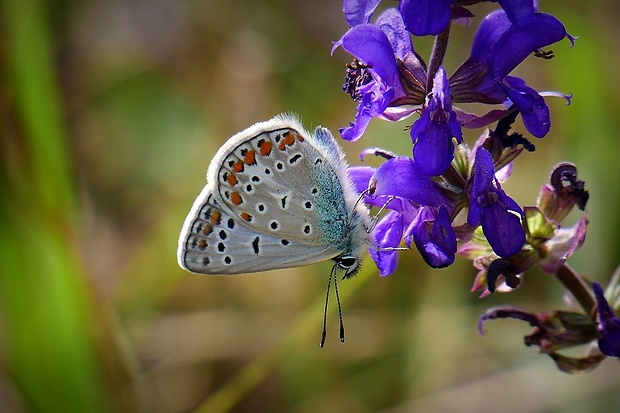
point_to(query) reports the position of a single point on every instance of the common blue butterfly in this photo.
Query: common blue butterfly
(277, 196)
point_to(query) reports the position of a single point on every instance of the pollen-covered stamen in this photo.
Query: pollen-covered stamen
(357, 76)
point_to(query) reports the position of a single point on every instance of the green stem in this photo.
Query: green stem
(578, 288)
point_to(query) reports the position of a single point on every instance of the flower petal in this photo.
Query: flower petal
(369, 44)
(387, 234)
(503, 230)
(521, 40)
(434, 149)
(531, 105)
(483, 173)
(360, 176)
(518, 9)
(356, 128)
(401, 177)
(608, 324)
(391, 23)
(432, 133)
(425, 17)
(359, 11)
(433, 237)
(488, 33)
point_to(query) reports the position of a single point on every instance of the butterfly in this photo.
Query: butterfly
(277, 196)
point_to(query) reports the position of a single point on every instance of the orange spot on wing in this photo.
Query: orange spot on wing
(202, 244)
(299, 137)
(245, 216)
(249, 158)
(235, 198)
(289, 138)
(207, 229)
(265, 147)
(231, 179)
(216, 217)
(238, 166)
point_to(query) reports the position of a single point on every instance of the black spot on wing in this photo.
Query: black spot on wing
(294, 159)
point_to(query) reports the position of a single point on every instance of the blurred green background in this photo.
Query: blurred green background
(111, 111)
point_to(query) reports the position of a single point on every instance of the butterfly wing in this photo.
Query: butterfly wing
(215, 242)
(274, 199)
(279, 180)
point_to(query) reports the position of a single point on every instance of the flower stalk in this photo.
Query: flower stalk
(578, 288)
(440, 46)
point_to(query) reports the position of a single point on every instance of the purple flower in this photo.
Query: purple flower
(432, 133)
(373, 79)
(421, 17)
(424, 17)
(608, 324)
(400, 177)
(399, 182)
(430, 17)
(499, 215)
(410, 196)
(432, 233)
(359, 11)
(388, 234)
(503, 40)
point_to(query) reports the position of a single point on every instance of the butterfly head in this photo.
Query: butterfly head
(349, 263)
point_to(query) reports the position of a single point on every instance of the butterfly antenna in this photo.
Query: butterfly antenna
(329, 283)
(357, 201)
(339, 308)
(374, 220)
(359, 198)
(332, 274)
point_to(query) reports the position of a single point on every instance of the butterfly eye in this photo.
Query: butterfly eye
(350, 264)
(347, 263)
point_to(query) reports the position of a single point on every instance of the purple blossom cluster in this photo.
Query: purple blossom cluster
(446, 197)
(389, 80)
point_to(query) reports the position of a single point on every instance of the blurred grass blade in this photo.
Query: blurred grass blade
(44, 301)
(50, 352)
